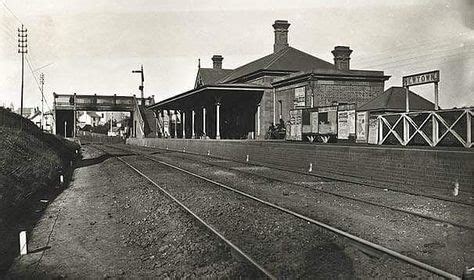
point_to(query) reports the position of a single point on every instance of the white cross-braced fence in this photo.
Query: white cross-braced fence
(451, 127)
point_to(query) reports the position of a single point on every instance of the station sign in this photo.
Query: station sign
(422, 78)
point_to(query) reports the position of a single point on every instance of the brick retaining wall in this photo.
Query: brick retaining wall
(417, 167)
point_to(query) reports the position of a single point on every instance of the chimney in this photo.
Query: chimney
(281, 35)
(217, 61)
(342, 56)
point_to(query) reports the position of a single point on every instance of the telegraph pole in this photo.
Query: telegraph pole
(22, 48)
(42, 99)
(141, 86)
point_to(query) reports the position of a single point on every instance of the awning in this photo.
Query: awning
(207, 94)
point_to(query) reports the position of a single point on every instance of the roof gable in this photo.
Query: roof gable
(209, 76)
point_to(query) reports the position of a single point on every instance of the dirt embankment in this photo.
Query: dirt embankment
(30, 164)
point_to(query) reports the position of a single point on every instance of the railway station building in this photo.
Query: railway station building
(243, 102)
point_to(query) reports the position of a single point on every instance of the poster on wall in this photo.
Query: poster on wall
(342, 125)
(300, 96)
(362, 126)
(314, 122)
(327, 118)
(295, 125)
(351, 122)
(373, 130)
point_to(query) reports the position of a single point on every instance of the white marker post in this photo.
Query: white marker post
(23, 243)
(310, 167)
(456, 189)
(247, 158)
(61, 179)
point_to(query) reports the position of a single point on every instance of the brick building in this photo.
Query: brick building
(243, 102)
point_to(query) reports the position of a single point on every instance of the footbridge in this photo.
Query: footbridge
(66, 106)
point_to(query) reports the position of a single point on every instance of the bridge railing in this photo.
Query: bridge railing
(453, 127)
(67, 101)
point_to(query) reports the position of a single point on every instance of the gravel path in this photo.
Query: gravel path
(110, 223)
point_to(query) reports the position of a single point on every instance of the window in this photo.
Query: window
(306, 117)
(323, 117)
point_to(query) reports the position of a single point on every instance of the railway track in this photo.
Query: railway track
(360, 200)
(337, 179)
(367, 245)
(342, 196)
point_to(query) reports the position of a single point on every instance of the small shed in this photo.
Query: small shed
(393, 100)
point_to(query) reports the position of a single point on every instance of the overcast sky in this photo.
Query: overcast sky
(91, 46)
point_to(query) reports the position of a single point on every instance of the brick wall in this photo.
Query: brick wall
(416, 168)
(358, 92)
(327, 91)
(287, 96)
(266, 113)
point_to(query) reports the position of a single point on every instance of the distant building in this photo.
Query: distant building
(88, 118)
(36, 118)
(29, 113)
(34, 114)
(244, 102)
(48, 121)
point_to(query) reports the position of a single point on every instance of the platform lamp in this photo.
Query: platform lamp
(312, 85)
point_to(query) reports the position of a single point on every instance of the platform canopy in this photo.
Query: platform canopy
(209, 95)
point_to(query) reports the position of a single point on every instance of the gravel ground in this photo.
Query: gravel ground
(110, 223)
(285, 245)
(449, 211)
(439, 244)
(465, 195)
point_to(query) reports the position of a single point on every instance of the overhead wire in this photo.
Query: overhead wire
(415, 61)
(28, 58)
(37, 83)
(444, 53)
(5, 5)
(411, 48)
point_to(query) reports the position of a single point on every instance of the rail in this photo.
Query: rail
(351, 237)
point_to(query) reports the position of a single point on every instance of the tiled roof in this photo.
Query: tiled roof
(209, 76)
(393, 99)
(288, 59)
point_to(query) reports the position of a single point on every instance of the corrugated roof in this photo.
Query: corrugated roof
(287, 59)
(209, 76)
(393, 99)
